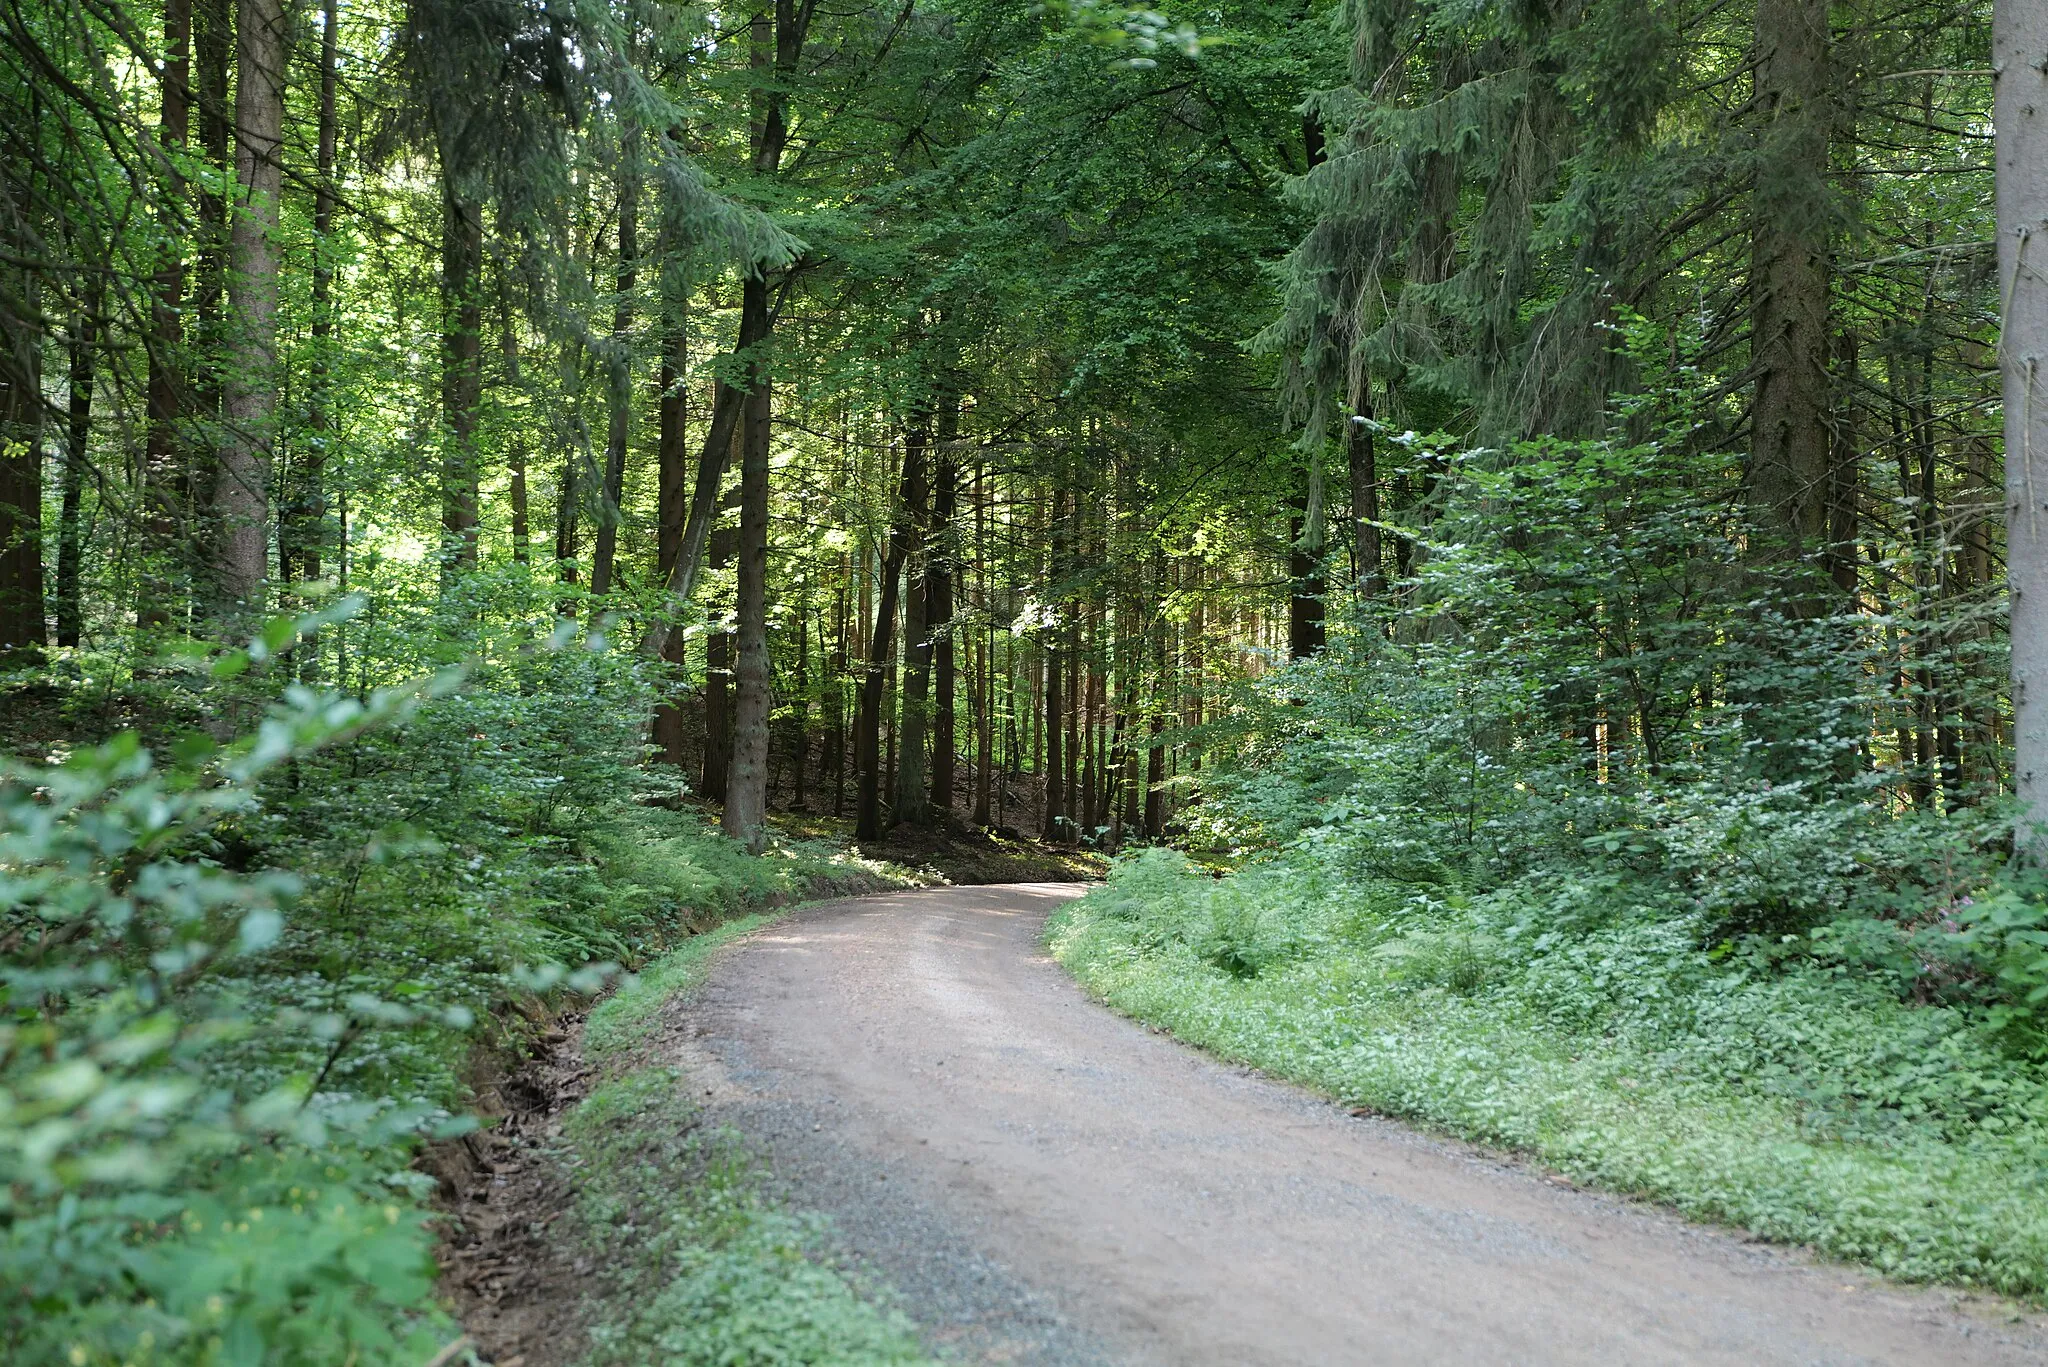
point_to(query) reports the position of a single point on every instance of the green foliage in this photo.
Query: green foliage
(713, 1272)
(155, 1204)
(1809, 1096)
(214, 1071)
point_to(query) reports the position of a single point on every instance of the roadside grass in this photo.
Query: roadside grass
(1803, 1105)
(699, 1267)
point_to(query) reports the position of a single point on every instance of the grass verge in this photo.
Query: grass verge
(699, 1267)
(1806, 1107)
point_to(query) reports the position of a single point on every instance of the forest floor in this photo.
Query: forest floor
(1043, 1181)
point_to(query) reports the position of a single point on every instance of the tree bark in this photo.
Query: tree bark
(70, 602)
(1360, 461)
(21, 470)
(1789, 235)
(2019, 50)
(770, 136)
(673, 492)
(164, 389)
(746, 796)
(241, 498)
(515, 445)
(912, 800)
(938, 610)
(620, 424)
(302, 530)
(1305, 633)
(867, 717)
(718, 685)
(462, 250)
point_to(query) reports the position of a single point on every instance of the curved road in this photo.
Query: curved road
(1047, 1182)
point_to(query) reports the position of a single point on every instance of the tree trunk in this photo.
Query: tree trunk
(984, 702)
(746, 797)
(800, 737)
(1789, 233)
(1305, 635)
(302, 529)
(718, 686)
(1155, 755)
(1056, 823)
(673, 492)
(911, 801)
(1365, 499)
(515, 446)
(867, 717)
(164, 389)
(462, 249)
(2019, 46)
(241, 498)
(213, 41)
(70, 603)
(620, 424)
(21, 467)
(769, 135)
(568, 504)
(938, 611)
(835, 699)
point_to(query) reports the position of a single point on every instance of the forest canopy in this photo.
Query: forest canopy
(454, 448)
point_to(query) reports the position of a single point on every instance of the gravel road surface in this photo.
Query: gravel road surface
(1046, 1182)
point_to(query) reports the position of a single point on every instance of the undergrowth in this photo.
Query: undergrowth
(247, 963)
(1776, 1084)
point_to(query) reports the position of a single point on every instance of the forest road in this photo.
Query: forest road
(1046, 1182)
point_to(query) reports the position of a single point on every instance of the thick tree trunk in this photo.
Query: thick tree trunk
(1789, 234)
(746, 796)
(241, 497)
(2019, 54)
(620, 424)
(462, 250)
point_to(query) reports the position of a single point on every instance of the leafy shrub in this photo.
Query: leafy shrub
(150, 1206)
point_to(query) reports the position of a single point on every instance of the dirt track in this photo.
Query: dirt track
(1047, 1182)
